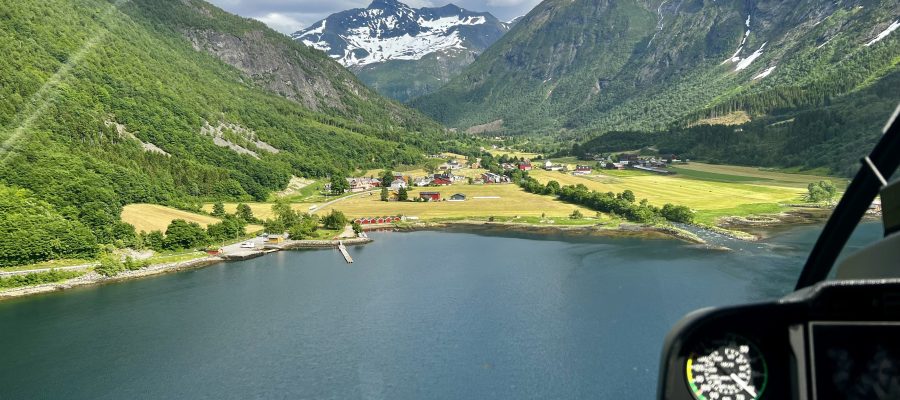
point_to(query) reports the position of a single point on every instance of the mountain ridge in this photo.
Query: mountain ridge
(161, 101)
(581, 68)
(401, 51)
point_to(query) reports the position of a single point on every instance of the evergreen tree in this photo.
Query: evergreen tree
(244, 213)
(339, 184)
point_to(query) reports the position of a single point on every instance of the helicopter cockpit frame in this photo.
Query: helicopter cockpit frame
(834, 339)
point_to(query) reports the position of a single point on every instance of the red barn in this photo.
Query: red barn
(430, 196)
(525, 166)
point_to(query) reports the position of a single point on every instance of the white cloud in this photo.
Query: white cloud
(418, 3)
(512, 3)
(281, 22)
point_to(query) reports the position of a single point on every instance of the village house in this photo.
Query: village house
(582, 170)
(363, 184)
(508, 166)
(423, 181)
(398, 175)
(430, 196)
(615, 165)
(670, 158)
(490, 177)
(550, 166)
(524, 166)
(458, 197)
(275, 239)
(398, 183)
(628, 158)
(441, 179)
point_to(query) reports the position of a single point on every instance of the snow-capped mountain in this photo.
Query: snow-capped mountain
(388, 36)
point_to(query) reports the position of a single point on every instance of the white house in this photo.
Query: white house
(398, 183)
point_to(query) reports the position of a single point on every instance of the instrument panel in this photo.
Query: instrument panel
(834, 340)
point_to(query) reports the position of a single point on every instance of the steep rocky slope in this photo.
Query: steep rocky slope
(585, 67)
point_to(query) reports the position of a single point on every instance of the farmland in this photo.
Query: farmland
(483, 201)
(712, 191)
(711, 194)
(153, 217)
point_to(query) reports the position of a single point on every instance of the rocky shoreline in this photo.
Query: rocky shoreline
(740, 228)
(93, 278)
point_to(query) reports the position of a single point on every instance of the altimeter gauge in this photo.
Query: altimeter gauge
(731, 368)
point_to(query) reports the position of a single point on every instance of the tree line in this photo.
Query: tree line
(622, 204)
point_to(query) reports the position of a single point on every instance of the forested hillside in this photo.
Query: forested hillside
(832, 136)
(580, 68)
(165, 101)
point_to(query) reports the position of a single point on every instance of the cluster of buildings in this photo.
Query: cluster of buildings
(490, 177)
(378, 220)
(436, 196)
(547, 166)
(656, 164)
(442, 179)
(363, 184)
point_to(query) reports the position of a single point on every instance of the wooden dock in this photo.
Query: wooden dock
(344, 252)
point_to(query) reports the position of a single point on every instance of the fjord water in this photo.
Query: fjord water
(424, 315)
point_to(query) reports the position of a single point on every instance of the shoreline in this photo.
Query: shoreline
(751, 228)
(623, 230)
(92, 278)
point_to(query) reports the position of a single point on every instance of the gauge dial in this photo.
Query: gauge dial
(727, 369)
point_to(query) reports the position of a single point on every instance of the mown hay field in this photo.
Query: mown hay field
(154, 217)
(505, 200)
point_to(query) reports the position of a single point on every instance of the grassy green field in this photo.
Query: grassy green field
(713, 191)
(502, 201)
(715, 176)
(734, 173)
(709, 198)
(154, 217)
(513, 153)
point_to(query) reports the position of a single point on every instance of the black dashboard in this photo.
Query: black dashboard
(833, 340)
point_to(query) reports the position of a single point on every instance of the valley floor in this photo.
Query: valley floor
(714, 192)
(722, 197)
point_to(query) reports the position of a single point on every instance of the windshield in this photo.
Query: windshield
(405, 200)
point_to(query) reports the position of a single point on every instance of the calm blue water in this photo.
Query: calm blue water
(436, 315)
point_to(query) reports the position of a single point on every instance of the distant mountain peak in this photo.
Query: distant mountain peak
(385, 4)
(391, 30)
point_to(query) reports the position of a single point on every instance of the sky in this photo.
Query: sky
(288, 16)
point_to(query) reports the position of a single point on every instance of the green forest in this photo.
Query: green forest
(832, 136)
(73, 70)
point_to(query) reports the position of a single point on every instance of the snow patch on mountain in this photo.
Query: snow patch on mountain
(743, 64)
(884, 33)
(735, 57)
(406, 47)
(764, 73)
(390, 30)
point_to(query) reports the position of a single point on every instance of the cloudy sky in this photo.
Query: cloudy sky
(288, 16)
